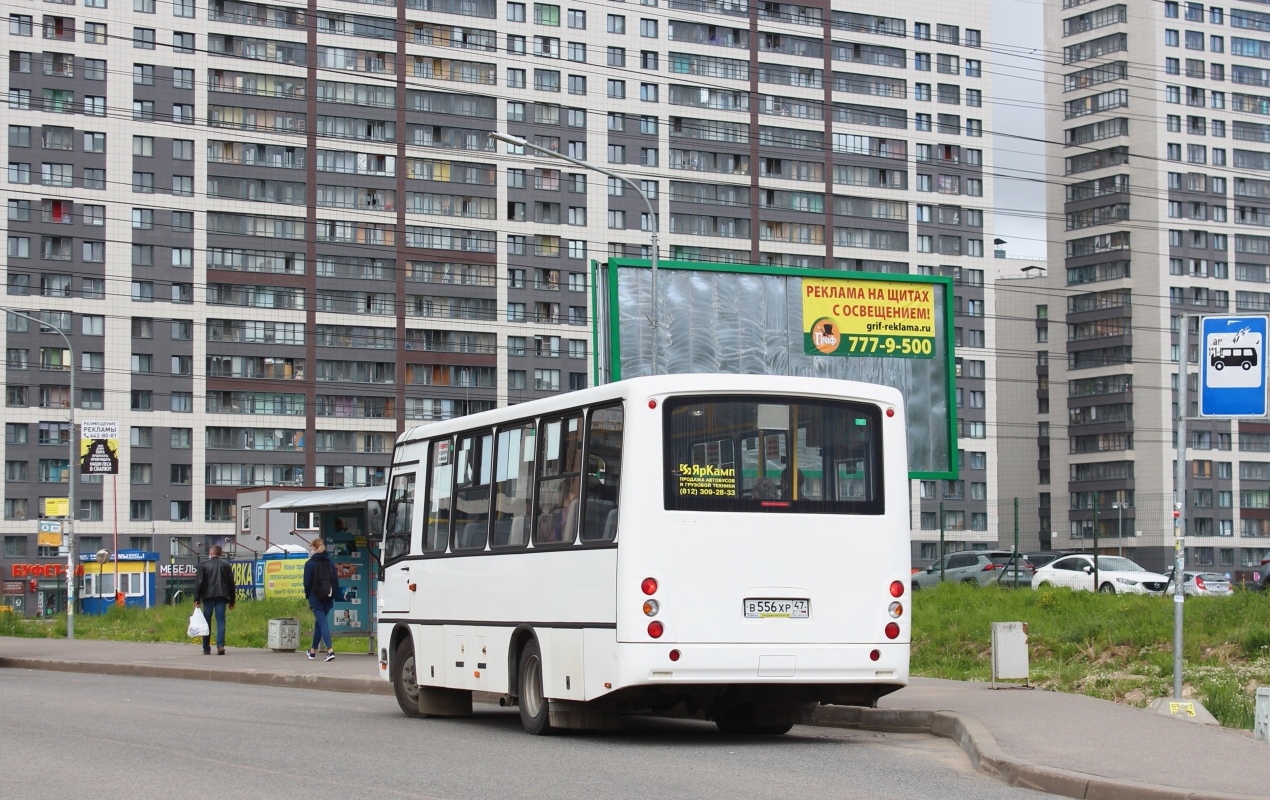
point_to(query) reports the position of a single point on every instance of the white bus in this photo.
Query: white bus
(727, 547)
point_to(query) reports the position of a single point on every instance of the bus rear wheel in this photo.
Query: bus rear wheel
(534, 709)
(405, 681)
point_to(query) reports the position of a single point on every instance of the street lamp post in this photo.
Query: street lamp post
(652, 217)
(70, 478)
(1119, 506)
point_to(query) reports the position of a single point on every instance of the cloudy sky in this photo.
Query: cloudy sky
(1018, 117)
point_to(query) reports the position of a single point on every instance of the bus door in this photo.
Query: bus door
(399, 542)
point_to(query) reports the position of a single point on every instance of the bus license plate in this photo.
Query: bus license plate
(768, 608)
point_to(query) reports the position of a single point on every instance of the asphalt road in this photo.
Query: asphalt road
(72, 735)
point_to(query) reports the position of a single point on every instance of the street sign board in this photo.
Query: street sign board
(49, 533)
(1232, 367)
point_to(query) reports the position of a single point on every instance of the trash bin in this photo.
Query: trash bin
(284, 635)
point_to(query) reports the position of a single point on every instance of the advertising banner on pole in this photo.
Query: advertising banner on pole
(99, 448)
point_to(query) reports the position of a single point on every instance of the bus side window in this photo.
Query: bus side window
(471, 491)
(559, 463)
(514, 478)
(603, 474)
(397, 523)
(440, 479)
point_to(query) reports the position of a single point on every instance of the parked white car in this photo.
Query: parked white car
(1115, 574)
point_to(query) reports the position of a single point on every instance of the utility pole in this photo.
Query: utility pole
(68, 533)
(1179, 516)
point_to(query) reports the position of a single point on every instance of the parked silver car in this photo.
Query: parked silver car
(1197, 583)
(980, 567)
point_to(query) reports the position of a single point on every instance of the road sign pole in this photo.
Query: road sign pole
(1179, 518)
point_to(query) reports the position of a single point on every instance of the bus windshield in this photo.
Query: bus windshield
(773, 454)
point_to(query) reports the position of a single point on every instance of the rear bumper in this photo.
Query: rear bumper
(646, 664)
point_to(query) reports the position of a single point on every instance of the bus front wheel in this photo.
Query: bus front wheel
(534, 709)
(405, 682)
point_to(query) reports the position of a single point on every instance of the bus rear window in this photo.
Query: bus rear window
(773, 454)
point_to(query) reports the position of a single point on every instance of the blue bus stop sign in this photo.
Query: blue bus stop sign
(1232, 367)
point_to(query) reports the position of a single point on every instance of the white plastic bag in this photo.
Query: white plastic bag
(198, 624)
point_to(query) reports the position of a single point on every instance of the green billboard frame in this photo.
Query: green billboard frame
(606, 333)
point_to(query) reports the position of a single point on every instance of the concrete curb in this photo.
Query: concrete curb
(981, 748)
(330, 683)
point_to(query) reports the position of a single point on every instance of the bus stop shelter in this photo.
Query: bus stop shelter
(351, 522)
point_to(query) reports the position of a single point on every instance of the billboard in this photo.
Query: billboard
(894, 330)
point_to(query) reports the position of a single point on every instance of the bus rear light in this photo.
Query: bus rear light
(674, 655)
(892, 630)
(897, 588)
(890, 412)
(652, 403)
(650, 608)
(649, 586)
(897, 610)
(655, 629)
(874, 655)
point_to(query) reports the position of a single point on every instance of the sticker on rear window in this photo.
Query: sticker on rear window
(706, 480)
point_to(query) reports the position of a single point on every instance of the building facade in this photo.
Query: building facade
(1155, 123)
(277, 235)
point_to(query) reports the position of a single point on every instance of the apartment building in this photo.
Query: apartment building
(1031, 403)
(277, 235)
(1156, 124)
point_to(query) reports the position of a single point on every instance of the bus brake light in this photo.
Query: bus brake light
(655, 629)
(649, 586)
(892, 630)
(897, 588)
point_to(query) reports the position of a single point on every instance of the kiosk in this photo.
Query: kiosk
(138, 572)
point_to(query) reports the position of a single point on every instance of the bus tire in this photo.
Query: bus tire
(405, 682)
(1247, 365)
(534, 708)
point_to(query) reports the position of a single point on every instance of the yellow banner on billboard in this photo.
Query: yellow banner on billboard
(57, 507)
(284, 577)
(882, 319)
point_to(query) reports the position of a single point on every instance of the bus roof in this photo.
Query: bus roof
(681, 383)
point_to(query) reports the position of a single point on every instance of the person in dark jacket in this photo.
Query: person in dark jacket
(321, 584)
(213, 593)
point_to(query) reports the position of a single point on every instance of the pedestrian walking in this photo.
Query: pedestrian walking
(213, 593)
(320, 586)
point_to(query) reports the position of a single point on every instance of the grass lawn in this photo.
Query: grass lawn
(1117, 647)
(247, 625)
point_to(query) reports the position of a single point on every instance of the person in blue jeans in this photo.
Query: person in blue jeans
(320, 587)
(213, 592)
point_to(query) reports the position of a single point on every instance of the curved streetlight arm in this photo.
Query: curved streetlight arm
(652, 214)
(70, 475)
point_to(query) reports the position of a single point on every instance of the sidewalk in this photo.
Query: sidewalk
(1065, 744)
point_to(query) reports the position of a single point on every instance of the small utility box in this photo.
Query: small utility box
(1009, 652)
(1261, 716)
(284, 635)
